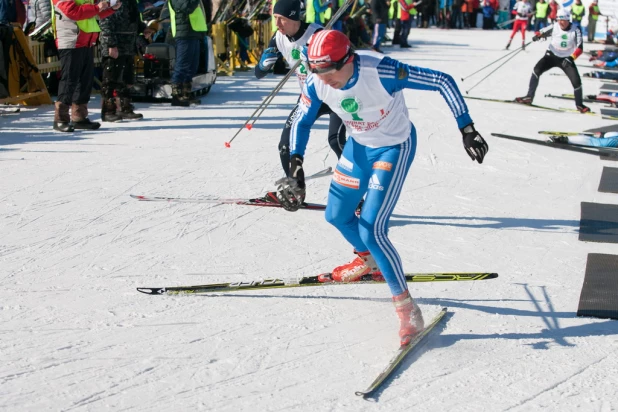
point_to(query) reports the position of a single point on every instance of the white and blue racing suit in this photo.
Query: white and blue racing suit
(379, 152)
(609, 139)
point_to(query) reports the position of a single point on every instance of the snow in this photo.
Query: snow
(76, 335)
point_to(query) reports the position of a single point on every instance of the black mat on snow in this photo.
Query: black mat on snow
(609, 180)
(598, 223)
(599, 296)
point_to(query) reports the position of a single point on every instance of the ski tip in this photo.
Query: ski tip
(152, 291)
(364, 395)
(138, 197)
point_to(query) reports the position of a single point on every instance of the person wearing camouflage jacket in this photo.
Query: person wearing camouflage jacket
(118, 45)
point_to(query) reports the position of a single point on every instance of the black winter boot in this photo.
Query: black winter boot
(178, 98)
(108, 110)
(126, 110)
(187, 89)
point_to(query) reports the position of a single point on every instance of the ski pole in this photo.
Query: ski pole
(493, 71)
(495, 61)
(504, 23)
(272, 94)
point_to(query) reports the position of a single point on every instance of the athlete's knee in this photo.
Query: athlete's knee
(338, 219)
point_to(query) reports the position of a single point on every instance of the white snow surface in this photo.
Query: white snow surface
(75, 335)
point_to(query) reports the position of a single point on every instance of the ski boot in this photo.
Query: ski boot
(354, 271)
(583, 109)
(524, 100)
(270, 197)
(508, 45)
(410, 317)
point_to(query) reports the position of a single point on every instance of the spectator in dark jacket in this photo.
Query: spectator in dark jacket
(12, 11)
(379, 9)
(188, 24)
(118, 45)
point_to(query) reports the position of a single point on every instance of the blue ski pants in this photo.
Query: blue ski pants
(379, 173)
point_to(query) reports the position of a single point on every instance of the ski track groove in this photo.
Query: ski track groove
(559, 383)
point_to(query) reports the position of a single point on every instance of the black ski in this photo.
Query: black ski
(306, 281)
(401, 354)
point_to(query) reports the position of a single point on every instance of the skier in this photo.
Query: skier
(292, 35)
(565, 45)
(522, 11)
(607, 139)
(365, 89)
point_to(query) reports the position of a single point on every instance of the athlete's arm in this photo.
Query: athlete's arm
(307, 113)
(268, 59)
(579, 40)
(396, 76)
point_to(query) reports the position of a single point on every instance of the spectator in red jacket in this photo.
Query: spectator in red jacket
(76, 31)
(553, 11)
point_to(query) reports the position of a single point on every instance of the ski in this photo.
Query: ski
(574, 148)
(307, 281)
(401, 354)
(6, 109)
(536, 106)
(588, 99)
(270, 200)
(561, 133)
(266, 201)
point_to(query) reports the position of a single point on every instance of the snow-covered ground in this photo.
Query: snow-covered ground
(75, 334)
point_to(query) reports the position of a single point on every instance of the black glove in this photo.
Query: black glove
(473, 142)
(567, 62)
(291, 190)
(537, 36)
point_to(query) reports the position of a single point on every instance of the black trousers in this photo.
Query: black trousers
(336, 135)
(549, 61)
(77, 67)
(118, 74)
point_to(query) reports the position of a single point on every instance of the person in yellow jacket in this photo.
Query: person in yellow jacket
(593, 15)
(578, 11)
(540, 16)
(188, 25)
(76, 31)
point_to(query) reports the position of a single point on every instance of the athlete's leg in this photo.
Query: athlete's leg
(576, 81)
(347, 188)
(284, 143)
(389, 168)
(546, 63)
